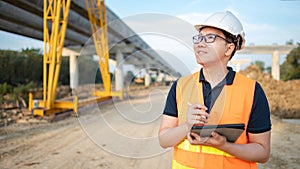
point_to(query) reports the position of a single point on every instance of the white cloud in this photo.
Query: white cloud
(194, 18)
(258, 27)
(193, 3)
(257, 33)
(174, 51)
(168, 35)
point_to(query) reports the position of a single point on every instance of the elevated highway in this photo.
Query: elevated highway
(275, 50)
(25, 17)
(65, 28)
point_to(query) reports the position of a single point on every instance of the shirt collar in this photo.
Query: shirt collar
(229, 77)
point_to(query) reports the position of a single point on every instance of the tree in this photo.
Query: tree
(268, 69)
(290, 69)
(64, 75)
(25, 66)
(89, 72)
(290, 42)
(260, 64)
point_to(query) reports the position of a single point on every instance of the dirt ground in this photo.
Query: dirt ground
(103, 136)
(117, 134)
(87, 141)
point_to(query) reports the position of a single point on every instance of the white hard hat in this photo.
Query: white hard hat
(227, 22)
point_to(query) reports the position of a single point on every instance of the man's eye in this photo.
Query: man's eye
(199, 37)
(210, 37)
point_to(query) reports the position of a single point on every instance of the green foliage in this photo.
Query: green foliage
(22, 67)
(8, 92)
(290, 69)
(268, 69)
(22, 91)
(22, 70)
(89, 72)
(64, 76)
(260, 64)
(5, 89)
(290, 42)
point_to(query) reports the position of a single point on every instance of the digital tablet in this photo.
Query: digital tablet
(231, 131)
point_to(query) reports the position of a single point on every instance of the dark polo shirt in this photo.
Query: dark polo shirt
(259, 121)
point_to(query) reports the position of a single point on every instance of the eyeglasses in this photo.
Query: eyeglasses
(209, 38)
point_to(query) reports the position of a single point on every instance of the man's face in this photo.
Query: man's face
(210, 53)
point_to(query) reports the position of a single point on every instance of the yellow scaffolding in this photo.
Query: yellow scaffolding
(55, 24)
(97, 17)
(99, 31)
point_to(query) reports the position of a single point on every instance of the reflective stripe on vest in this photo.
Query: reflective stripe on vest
(179, 166)
(241, 93)
(185, 145)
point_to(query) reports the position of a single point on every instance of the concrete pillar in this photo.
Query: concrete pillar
(275, 65)
(160, 77)
(147, 78)
(73, 71)
(119, 71)
(238, 63)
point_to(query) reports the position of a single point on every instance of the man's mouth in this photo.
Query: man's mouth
(201, 52)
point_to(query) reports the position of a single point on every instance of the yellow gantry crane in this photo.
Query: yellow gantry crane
(55, 24)
(97, 17)
(99, 29)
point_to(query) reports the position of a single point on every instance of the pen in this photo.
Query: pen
(190, 104)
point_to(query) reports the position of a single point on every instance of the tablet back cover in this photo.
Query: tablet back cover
(231, 131)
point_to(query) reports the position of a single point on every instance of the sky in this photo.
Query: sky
(266, 22)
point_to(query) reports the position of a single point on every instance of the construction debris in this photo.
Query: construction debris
(16, 111)
(283, 96)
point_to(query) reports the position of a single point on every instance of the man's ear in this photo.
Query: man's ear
(229, 49)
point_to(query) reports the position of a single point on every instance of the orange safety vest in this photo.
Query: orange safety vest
(233, 105)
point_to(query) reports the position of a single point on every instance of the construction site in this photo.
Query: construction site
(113, 124)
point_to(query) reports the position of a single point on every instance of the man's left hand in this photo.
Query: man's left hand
(216, 140)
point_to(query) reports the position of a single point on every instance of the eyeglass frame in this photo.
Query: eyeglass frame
(205, 38)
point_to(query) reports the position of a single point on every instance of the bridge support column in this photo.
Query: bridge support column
(73, 61)
(275, 65)
(239, 62)
(160, 77)
(147, 80)
(73, 71)
(119, 71)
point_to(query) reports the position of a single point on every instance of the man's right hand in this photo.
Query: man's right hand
(196, 115)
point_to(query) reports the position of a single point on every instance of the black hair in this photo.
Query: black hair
(234, 39)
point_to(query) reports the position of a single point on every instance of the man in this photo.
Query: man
(216, 95)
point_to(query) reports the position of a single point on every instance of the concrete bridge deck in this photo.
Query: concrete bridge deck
(25, 17)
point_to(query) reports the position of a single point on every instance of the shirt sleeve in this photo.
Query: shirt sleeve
(259, 121)
(171, 104)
